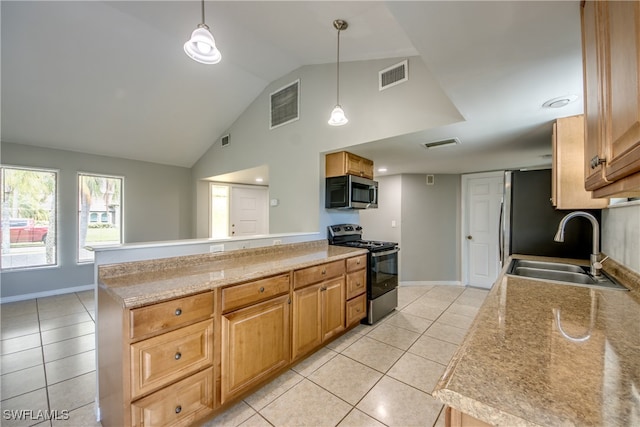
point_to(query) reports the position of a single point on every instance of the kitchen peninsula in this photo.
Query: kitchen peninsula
(181, 338)
(542, 354)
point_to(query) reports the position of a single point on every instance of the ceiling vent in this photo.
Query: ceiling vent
(285, 105)
(225, 140)
(393, 75)
(441, 143)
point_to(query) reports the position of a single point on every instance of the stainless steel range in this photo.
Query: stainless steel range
(382, 277)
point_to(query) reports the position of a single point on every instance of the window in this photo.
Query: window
(99, 212)
(28, 224)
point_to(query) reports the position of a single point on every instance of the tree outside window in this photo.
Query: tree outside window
(99, 213)
(28, 224)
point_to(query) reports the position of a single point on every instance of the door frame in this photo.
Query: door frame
(464, 225)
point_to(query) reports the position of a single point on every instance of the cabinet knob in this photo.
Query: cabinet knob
(469, 237)
(597, 161)
(323, 289)
(261, 289)
(358, 262)
(178, 356)
(324, 271)
(178, 311)
(178, 409)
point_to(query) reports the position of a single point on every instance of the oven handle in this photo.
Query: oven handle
(384, 253)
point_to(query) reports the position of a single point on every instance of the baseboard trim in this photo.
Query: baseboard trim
(431, 282)
(44, 294)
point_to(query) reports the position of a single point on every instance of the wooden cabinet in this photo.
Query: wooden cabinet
(179, 361)
(255, 344)
(318, 306)
(155, 363)
(356, 304)
(345, 163)
(455, 418)
(256, 338)
(611, 66)
(567, 181)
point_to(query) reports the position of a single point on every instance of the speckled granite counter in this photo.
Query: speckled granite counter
(146, 282)
(548, 354)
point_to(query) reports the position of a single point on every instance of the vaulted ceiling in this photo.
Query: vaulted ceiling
(111, 78)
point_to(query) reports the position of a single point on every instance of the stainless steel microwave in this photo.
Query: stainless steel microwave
(350, 192)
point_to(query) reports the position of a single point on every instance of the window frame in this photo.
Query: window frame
(80, 174)
(56, 216)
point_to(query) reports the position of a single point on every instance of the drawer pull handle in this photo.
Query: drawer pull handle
(324, 271)
(358, 262)
(178, 356)
(178, 409)
(261, 289)
(178, 311)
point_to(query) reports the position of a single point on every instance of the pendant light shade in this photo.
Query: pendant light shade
(338, 118)
(201, 47)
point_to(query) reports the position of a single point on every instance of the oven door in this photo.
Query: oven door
(383, 272)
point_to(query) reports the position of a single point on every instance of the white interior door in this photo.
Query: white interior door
(481, 257)
(248, 213)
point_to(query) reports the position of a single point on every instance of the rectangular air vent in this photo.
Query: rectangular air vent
(225, 140)
(441, 143)
(285, 105)
(393, 75)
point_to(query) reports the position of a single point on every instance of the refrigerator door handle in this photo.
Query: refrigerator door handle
(500, 242)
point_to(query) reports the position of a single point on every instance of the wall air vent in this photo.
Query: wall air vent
(225, 140)
(393, 75)
(285, 105)
(441, 143)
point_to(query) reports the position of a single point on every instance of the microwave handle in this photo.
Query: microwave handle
(375, 194)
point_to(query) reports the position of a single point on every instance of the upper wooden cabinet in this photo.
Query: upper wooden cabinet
(611, 65)
(567, 182)
(345, 163)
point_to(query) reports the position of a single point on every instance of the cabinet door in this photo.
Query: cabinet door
(255, 343)
(307, 319)
(333, 307)
(621, 25)
(593, 108)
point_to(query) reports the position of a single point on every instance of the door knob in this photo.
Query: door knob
(469, 237)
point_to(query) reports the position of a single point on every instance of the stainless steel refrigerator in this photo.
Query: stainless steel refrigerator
(528, 221)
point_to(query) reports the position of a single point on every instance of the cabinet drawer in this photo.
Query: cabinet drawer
(253, 292)
(178, 405)
(160, 360)
(170, 314)
(356, 283)
(356, 263)
(356, 309)
(318, 273)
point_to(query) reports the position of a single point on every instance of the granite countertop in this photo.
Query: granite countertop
(140, 283)
(521, 366)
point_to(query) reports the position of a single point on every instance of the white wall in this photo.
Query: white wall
(293, 152)
(427, 225)
(157, 206)
(620, 234)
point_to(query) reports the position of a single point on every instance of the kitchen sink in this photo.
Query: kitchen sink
(561, 273)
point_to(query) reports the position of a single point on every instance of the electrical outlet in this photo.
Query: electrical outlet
(216, 248)
(277, 242)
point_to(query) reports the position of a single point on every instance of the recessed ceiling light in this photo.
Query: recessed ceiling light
(259, 180)
(382, 169)
(560, 101)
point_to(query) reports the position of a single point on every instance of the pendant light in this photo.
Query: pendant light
(338, 117)
(201, 46)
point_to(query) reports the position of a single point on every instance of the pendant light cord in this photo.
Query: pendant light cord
(203, 12)
(338, 71)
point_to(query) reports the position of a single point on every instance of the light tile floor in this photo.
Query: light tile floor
(372, 376)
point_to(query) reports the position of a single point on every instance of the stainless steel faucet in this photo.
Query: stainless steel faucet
(595, 263)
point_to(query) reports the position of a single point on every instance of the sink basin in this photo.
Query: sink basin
(561, 273)
(556, 266)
